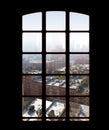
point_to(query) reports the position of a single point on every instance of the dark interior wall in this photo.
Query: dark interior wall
(30, 6)
(26, 7)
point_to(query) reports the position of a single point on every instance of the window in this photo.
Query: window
(55, 66)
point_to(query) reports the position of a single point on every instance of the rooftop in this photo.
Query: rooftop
(55, 109)
(37, 103)
(55, 82)
(79, 110)
(37, 79)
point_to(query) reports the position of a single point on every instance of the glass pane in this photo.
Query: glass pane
(55, 64)
(80, 119)
(79, 42)
(56, 85)
(55, 42)
(32, 21)
(79, 63)
(32, 119)
(79, 107)
(55, 20)
(79, 21)
(79, 85)
(31, 107)
(32, 42)
(55, 119)
(32, 85)
(32, 64)
(57, 108)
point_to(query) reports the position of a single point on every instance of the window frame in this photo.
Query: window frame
(67, 53)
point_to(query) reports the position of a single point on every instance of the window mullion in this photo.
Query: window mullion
(43, 65)
(67, 66)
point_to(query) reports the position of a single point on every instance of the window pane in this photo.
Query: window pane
(55, 85)
(32, 107)
(32, 85)
(79, 107)
(79, 85)
(32, 21)
(80, 119)
(79, 42)
(57, 108)
(55, 20)
(32, 64)
(32, 42)
(79, 64)
(55, 42)
(79, 21)
(55, 64)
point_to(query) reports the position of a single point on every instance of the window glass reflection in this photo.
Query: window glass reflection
(55, 20)
(32, 21)
(79, 21)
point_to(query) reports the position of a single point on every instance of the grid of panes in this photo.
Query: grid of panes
(79, 67)
(55, 66)
(32, 67)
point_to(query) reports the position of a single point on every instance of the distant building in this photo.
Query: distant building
(50, 66)
(55, 108)
(33, 86)
(59, 60)
(36, 64)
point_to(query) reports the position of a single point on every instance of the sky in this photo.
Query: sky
(32, 42)
(55, 20)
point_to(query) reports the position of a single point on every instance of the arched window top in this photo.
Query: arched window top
(56, 20)
(56, 53)
(32, 21)
(79, 21)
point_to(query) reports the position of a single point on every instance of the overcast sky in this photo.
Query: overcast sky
(55, 20)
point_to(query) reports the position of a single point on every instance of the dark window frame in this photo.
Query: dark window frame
(67, 53)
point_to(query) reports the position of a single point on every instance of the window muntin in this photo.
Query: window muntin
(69, 34)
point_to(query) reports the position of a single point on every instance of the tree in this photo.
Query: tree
(85, 82)
(80, 89)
